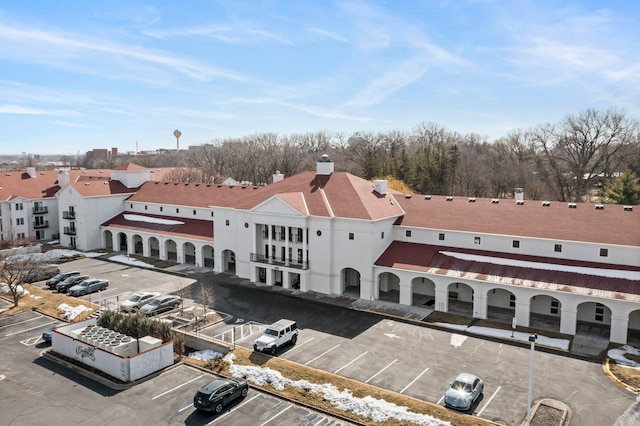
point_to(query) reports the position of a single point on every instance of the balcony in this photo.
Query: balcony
(290, 263)
(41, 225)
(40, 210)
(69, 215)
(69, 230)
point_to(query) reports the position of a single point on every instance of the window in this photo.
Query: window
(194, 212)
(557, 248)
(145, 207)
(177, 210)
(476, 240)
(441, 237)
(599, 312)
(211, 214)
(131, 205)
(382, 235)
(351, 235)
(20, 221)
(407, 233)
(555, 305)
(515, 244)
(604, 252)
(226, 222)
(161, 208)
(512, 300)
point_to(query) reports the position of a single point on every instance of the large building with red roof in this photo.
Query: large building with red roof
(544, 264)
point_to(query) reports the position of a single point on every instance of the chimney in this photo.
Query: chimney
(277, 177)
(518, 193)
(31, 171)
(324, 166)
(63, 178)
(381, 186)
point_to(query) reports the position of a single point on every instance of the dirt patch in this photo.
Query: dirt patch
(47, 302)
(627, 375)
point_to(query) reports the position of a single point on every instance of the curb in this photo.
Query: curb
(607, 371)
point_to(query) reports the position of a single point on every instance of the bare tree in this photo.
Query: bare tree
(16, 266)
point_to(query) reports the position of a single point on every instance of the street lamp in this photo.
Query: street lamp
(532, 339)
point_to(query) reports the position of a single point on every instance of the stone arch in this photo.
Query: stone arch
(501, 305)
(423, 292)
(350, 282)
(189, 251)
(207, 256)
(545, 312)
(389, 287)
(171, 250)
(137, 244)
(108, 240)
(154, 247)
(460, 297)
(593, 319)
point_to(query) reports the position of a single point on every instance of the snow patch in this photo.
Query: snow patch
(618, 355)
(139, 218)
(71, 312)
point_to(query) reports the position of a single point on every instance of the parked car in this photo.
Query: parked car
(160, 304)
(88, 286)
(46, 336)
(277, 335)
(463, 392)
(52, 282)
(42, 272)
(65, 285)
(137, 300)
(218, 393)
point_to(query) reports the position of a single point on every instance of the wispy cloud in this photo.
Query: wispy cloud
(271, 36)
(328, 34)
(20, 110)
(220, 32)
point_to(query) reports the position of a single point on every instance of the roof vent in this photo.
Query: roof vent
(106, 183)
(87, 183)
(197, 184)
(244, 187)
(166, 183)
(573, 206)
(208, 185)
(599, 207)
(519, 202)
(628, 208)
(449, 198)
(219, 185)
(546, 203)
(472, 200)
(407, 196)
(495, 200)
(427, 197)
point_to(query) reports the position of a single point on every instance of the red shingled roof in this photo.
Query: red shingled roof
(44, 185)
(194, 229)
(436, 260)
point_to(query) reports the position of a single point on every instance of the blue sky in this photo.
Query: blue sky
(77, 75)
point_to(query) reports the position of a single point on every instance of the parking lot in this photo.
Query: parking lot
(35, 390)
(408, 358)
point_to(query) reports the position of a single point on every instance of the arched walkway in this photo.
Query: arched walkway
(189, 253)
(154, 248)
(122, 242)
(137, 244)
(171, 250)
(501, 305)
(633, 331)
(350, 279)
(389, 287)
(594, 320)
(229, 261)
(207, 256)
(424, 292)
(545, 312)
(108, 240)
(460, 299)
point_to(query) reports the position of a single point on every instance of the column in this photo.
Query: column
(619, 326)
(522, 313)
(145, 246)
(442, 296)
(406, 295)
(479, 305)
(568, 318)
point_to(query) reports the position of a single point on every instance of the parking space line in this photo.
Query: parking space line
(32, 328)
(490, 399)
(322, 354)
(182, 409)
(290, 405)
(300, 344)
(388, 365)
(322, 420)
(440, 400)
(414, 380)
(20, 322)
(351, 362)
(177, 387)
(236, 407)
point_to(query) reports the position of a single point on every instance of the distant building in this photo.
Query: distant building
(99, 154)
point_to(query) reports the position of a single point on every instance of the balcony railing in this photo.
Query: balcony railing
(40, 210)
(40, 225)
(69, 215)
(69, 230)
(290, 263)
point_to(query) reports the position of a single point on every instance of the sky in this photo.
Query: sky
(79, 75)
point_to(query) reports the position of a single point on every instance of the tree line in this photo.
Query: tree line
(589, 156)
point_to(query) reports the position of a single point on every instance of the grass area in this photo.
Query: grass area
(296, 372)
(47, 302)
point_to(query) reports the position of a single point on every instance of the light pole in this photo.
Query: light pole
(532, 339)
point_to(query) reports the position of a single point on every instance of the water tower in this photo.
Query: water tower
(177, 133)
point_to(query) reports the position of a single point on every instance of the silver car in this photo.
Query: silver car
(463, 392)
(161, 304)
(88, 286)
(137, 300)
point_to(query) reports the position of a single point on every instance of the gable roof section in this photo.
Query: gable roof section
(284, 204)
(93, 186)
(587, 278)
(611, 225)
(195, 229)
